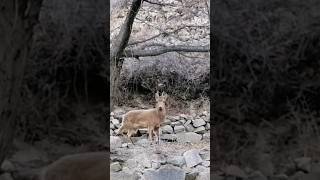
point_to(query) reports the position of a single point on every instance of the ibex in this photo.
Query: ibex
(84, 166)
(134, 120)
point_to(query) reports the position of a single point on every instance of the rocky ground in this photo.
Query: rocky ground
(301, 169)
(184, 151)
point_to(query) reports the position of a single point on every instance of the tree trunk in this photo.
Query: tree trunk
(115, 71)
(117, 48)
(17, 19)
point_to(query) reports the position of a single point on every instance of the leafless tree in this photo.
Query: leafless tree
(17, 19)
(120, 48)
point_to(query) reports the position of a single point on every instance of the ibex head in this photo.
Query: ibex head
(161, 101)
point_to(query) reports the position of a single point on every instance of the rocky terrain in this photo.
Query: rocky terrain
(303, 168)
(183, 153)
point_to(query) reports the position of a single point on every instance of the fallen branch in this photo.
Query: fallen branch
(156, 3)
(163, 50)
(165, 33)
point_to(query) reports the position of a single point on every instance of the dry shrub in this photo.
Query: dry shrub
(66, 56)
(266, 68)
(184, 78)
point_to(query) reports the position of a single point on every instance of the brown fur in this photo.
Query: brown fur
(83, 166)
(150, 118)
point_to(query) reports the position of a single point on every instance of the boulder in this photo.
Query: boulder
(178, 129)
(192, 157)
(167, 172)
(200, 130)
(115, 167)
(167, 129)
(198, 122)
(176, 160)
(188, 137)
(115, 142)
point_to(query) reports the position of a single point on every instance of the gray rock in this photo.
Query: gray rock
(144, 160)
(117, 126)
(203, 176)
(201, 168)
(198, 122)
(188, 170)
(208, 126)
(166, 122)
(200, 130)
(205, 155)
(124, 176)
(174, 118)
(124, 145)
(206, 136)
(192, 176)
(118, 117)
(167, 172)
(155, 165)
(161, 158)
(205, 113)
(206, 163)
(167, 129)
(188, 137)
(186, 117)
(115, 142)
(303, 163)
(182, 121)
(187, 123)
(257, 175)
(115, 167)
(178, 129)
(235, 171)
(143, 142)
(115, 121)
(189, 128)
(6, 176)
(192, 157)
(177, 123)
(131, 163)
(112, 126)
(176, 160)
(118, 112)
(111, 132)
(7, 166)
(168, 137)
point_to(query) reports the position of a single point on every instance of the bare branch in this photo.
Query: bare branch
(156, 3)
(165, 49)
(164, 33)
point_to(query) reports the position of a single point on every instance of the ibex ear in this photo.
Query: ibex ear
(157, 96)
(164, 96)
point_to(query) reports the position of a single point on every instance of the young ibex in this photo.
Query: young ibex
(151, 118)
(82, 166)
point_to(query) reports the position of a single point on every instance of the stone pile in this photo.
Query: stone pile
(180, 127)
(193, 164)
